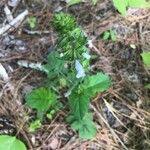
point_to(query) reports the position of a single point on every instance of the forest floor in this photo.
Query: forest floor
(122, 113)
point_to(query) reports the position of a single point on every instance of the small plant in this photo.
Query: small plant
(68, 69)
(110, 35)
(34, 125)
(11, 143)
(32, 21)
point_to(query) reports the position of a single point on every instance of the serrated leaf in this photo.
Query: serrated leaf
(11, 143)
(79, 104)
(138, 3)
(121, 6)
(86, 127)
(146, 58)
(95, 83)
(41, 99)
(73, 2)
(55, 64)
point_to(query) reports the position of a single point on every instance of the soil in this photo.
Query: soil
(122, 113)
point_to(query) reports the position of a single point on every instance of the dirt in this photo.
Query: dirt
(128, 125)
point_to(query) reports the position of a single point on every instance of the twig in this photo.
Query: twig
(14, 23)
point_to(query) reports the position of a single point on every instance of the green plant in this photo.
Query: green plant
(11, 143)
(34, 125)
(146, 60)
(68, 70)
(122, 5)
(42, 99)
(32, 21)
(110, 35)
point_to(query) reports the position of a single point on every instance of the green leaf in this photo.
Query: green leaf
(113, 36)
(32, 21)
(138, 3)
(94, 84)
(41, 99)
(73, 44)
(94, 2)
(63, 23)
(34, 125)
(146, 59)
(106, 35)
(73, 2)
(121, 6)
(86, 127)
(55, 64)
(11, 143)
(147, 86)
(79, 104)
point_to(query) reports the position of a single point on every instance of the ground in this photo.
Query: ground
(121, 113)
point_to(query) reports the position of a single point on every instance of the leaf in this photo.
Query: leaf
(79, 104)
(11, 143)
(63, 23)
(146, 59)
(95, 83)
(32, 21)
(121, 6)
(94, 2)
(113, 36)
(34, 125)
(86, 127)
(138, 3)
(106, 35)
(41, 99)
(147, 86)
(55, 64)
(73, 2)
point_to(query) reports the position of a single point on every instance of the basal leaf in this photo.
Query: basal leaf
(146, 59)
(95, 83)
(121, 6)
(138, 3)
(11, 143)
(86, 127)
(41, 99)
